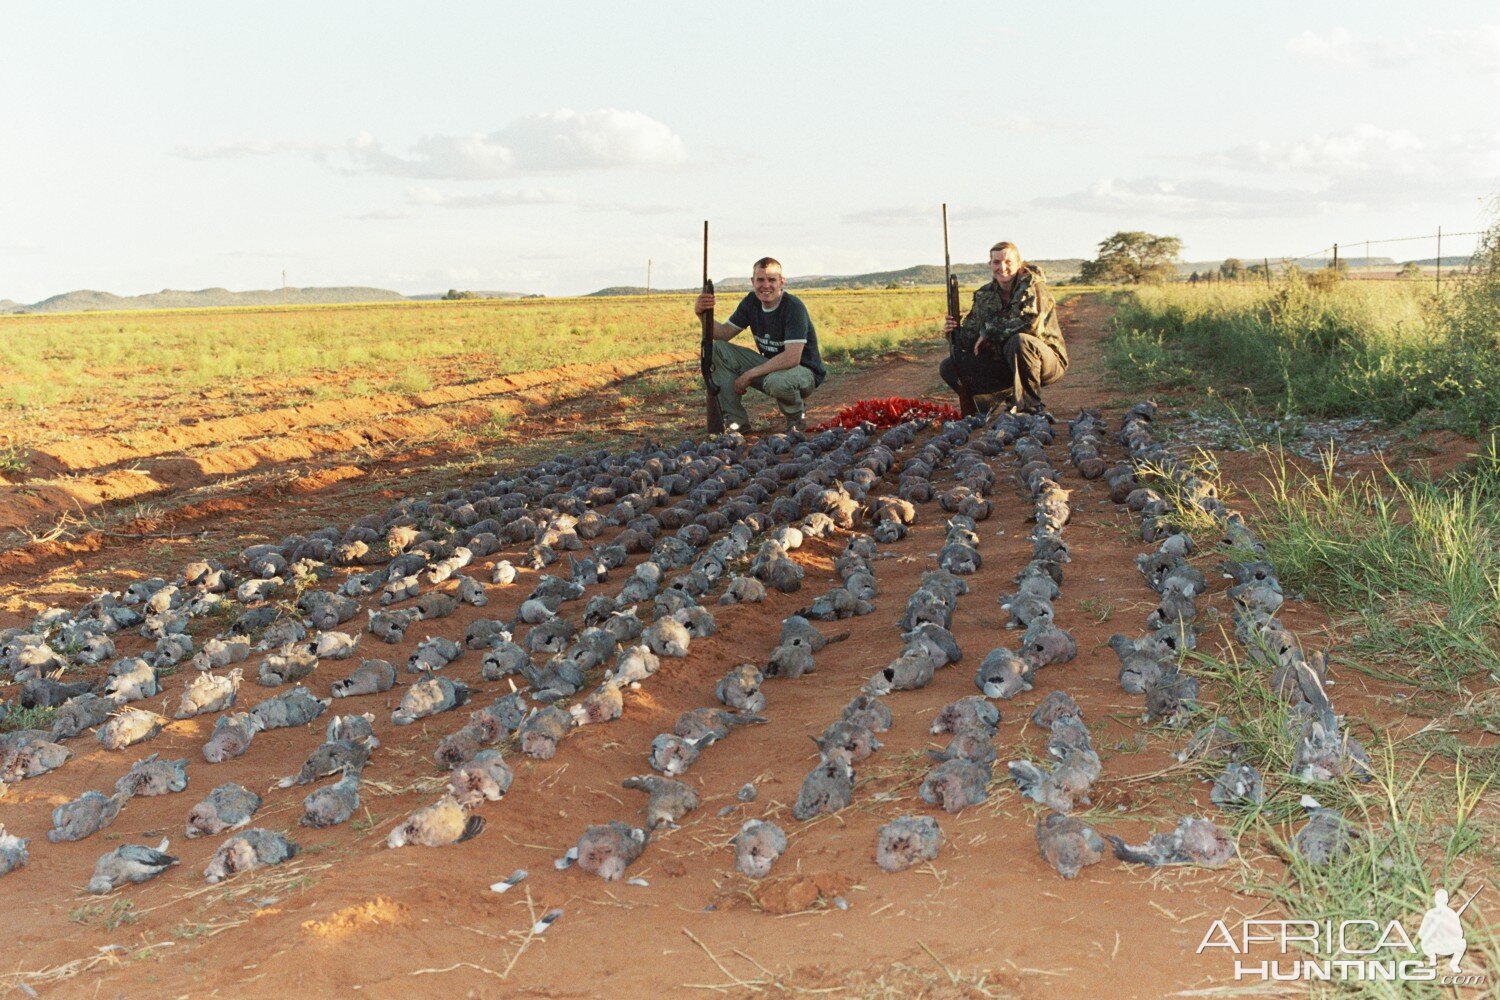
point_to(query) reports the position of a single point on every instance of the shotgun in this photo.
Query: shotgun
(965, 398)
(715, 422)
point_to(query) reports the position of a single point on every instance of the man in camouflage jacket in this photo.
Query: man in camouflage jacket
(1010, 344)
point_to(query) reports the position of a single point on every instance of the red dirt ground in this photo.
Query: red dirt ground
(349, 915)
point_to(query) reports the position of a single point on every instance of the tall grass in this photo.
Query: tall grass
(1383, 349)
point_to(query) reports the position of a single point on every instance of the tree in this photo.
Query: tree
(1133, 258)
(1411, 269)
(1231, 269)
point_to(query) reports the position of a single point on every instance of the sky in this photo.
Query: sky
(504, 147)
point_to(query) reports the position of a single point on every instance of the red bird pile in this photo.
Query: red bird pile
(889, 412)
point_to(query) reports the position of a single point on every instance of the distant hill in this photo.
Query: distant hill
(206, 298)
(438, 296)
(907, 277)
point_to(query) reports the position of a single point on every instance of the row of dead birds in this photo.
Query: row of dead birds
(1321, 748)
(232, 735)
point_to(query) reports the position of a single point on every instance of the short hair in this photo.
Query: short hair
(1004, 245)
(766, 263)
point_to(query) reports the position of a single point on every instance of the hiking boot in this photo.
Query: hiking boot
(796, 422)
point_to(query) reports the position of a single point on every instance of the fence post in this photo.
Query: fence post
(1267, 262)
(1335, 258)
(1440, 261)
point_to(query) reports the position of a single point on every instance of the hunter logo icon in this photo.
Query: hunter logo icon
(1441, 934)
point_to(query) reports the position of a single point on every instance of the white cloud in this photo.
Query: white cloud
(487, 199)
(1369, 163)
(1475, 49)
(381, 215)
(255, 147)
(554, 141)
(1192, 198)
(915, 215)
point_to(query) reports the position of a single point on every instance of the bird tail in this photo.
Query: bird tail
(1125, 852)
(472, 828)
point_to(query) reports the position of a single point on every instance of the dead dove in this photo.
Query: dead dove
(1068, 844)
(869, 711)
(706, 726)
(1044, 644)
(433, 653)
(84, 816)
(243, 852)
(1327, 835)
(504, 574)
(608, 849)
(1324, 752)
(332, 804)
(354, 728)
(153, 777)
(328, 758)
(740, 689)
(1003, 674)
(850, 741)
(128, 727)
(501, 718)
(1195, 842)
(543, 730)
(671, 754)
(332, 645)
(743, 590)
(290, 664)
(670, 799)
(438, 825)
(972, 712)
(12, 851)
(907, 841)
(372, 677)
(828, 788)
(791, 659)
(31, 758)
(957, 783)
(1240, 786)
(209, 692)
(484, 778)
(228, 807)
(667, 637)
(1139, 667)
(429, 696)
(131, 680)
(634, 664)
(129, 863)
(604, 704)
(1057, 705)
(757, 846)
(81, 712)
(231, 736)
(296, 707)
(976, 745)
(1061, 788)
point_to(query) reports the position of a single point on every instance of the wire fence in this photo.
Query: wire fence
(1336, 256)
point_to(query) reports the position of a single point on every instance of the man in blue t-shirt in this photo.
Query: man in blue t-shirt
(785, 364)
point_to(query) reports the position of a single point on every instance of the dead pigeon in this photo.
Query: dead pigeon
(332, 646)
(429, 696)
(328, 758)
(791, 659)
(128, 727)
(543, 730)
(1327, 835)
(296, 707)
(850, 741)
(671, 754)
(740, 689)
(954, 784)
(484, 778)
(1324, 751)
(869, 711)
(634, 664)
(1057, 705)
(84, 711)
(231, 736)
(438, 825)
(705, 726)
(907, 841)
(31, 757)
(290, 664)
(208, 692)
(1195, 842)
(503, 659)
(1240, 786)
(1003, 674)
(134, 863)
(131, 680)
(12, 851)
(976, 745)
(228, 807)
(243, 852)
(332, 804)
(1139, 668)
(604, 704)
(757, 846)
(153, 777)
(667, 637)
(828, 788)
(84, 816)
(1061, 788)
(1068, 844)
(608, 849)
(972, 712)
(354, 728)
(372, 677)
(1045, 644)
(670, 799)
(433, 653)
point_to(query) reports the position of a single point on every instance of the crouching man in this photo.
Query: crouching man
(785, 364)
